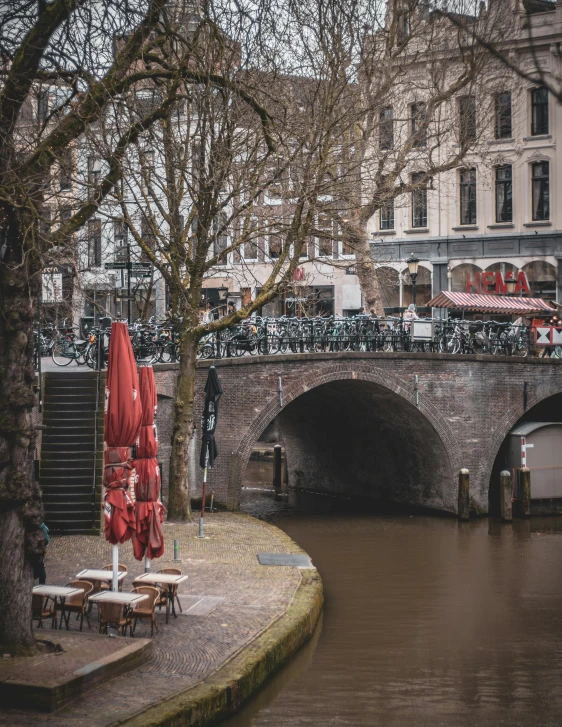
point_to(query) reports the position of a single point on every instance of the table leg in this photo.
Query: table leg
(168, 607)
(54, 621)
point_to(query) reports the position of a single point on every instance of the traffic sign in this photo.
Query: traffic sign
(133, 267)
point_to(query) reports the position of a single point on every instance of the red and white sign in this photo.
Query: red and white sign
(548, 336)
(490, 283)
(298, 274)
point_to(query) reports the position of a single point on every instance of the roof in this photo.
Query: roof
(538, 6)
(490, 303)
(523, 429)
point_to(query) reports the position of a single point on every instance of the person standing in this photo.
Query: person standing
(39, 568)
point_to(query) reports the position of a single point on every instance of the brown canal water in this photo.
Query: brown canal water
(427, 622)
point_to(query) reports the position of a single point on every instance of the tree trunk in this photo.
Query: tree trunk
(366, 270)
(21, 512)
(179, 506)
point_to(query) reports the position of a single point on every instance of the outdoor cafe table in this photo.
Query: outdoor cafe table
(105, 576)
(166, 579)
(128, 599)
(57, 592)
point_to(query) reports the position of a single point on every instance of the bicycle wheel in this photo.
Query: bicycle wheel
(146, 352)
(62, 353)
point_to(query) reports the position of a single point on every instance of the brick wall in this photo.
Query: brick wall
(466, 406)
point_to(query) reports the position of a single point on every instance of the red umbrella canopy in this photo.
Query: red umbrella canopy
(148, 395)
(123, 421)
(149, 512)
(123, 408)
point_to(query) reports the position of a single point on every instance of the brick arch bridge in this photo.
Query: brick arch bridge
(397, 426)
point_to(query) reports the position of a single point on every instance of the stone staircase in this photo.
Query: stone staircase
(71, 459)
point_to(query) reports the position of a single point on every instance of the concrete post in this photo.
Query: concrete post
(464, 495)
(506, 504)
(277, 466)
(525, 491)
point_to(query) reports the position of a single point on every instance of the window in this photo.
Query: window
(147, 100)
(42, 105)
(418, 111)
(148, 238)
(402, 27)
(504, 192)
(275, 243)
(220, 236)
(503, 115)
(467, 119)
(94, 171)
(120, 235)
(250, 245)
(387, 215)
(386, 128)
(65, 171)
(325, 236)
(467, 184)
(195, 163)
(94, 243)
(419, 201)
(147, 164)
(540, 191)
(539, 111)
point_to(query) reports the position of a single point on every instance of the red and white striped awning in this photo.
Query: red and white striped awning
(476, 303)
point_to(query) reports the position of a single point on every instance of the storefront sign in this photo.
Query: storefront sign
(489, 283)
(52, 286)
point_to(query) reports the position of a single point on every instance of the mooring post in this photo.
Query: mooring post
(464, 495)
(506, 503)
(277, 467)
(525, 491)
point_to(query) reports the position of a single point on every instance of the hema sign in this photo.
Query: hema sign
(489, 283)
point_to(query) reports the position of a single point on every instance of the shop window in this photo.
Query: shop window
(465, 278)
(389, 282)
(540, 191)
(423, 287)
(539, 111)
(467, 187)
(504, 193)
(503, 115)
(541, 277)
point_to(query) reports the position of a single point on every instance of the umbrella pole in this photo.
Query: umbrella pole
(146, 564)
(203, 496)
(115, 568)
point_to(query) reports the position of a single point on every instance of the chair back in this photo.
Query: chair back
(109, 566)
(171, 571)
(111, 613)
(80, 598)
(148, 603)
(37, 602)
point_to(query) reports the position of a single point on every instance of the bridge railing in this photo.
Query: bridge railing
(268, 336)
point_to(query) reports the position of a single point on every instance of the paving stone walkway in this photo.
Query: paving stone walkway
(228, 600)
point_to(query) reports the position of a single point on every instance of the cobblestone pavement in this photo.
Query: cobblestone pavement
(228, 600)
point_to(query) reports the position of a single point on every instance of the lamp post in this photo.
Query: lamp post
(413, 264)
(510, 285)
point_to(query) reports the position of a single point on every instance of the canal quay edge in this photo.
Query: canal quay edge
(221, 695)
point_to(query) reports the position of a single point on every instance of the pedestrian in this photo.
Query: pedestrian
(410, 314)
(231, 308)
(39, 568)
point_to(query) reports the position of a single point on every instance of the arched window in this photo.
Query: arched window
(465, 278)
(542, 279)
(389, 281)
(423, 287)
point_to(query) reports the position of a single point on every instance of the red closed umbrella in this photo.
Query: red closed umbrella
(148, 539)
(123, 421)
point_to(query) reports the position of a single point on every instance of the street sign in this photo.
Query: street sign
(133, 267)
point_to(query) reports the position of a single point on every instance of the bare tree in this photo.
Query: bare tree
(236, 171)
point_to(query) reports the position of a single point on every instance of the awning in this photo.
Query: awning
(473, 302)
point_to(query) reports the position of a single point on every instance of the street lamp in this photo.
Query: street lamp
(510, 285)
(223, 292)
(413, 263)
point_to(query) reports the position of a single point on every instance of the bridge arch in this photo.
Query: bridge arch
(425, 450)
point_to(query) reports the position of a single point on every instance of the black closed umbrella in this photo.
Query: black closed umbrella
(213, 392)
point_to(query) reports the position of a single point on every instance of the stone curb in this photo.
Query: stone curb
(223, 693)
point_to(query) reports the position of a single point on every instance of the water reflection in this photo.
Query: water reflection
(426, 622)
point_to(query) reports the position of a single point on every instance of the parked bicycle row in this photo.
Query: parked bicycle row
(157, 342)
